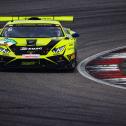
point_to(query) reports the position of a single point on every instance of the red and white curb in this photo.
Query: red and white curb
(105, 67)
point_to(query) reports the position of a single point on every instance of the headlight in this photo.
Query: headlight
(60, 49)
(3, 50)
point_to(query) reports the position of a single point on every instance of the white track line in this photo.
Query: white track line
(83, 72)
(116, 55)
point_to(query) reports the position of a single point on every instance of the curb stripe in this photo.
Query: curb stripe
(106, 81)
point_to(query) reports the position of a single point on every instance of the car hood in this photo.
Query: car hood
(24, 41)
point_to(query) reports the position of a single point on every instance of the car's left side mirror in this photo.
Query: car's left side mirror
(75, 35)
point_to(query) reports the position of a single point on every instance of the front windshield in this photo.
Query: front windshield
(32, 31)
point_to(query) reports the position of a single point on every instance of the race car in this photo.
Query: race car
(37, 42)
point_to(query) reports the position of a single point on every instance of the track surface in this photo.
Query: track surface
(33, 98)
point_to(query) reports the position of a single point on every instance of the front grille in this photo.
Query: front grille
(31, 63)
(23, 62)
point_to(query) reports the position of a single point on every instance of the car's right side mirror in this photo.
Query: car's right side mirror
(75, 35)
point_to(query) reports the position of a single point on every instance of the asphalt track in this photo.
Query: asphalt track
(36, 98)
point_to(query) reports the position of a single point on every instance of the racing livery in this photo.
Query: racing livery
(39, 42)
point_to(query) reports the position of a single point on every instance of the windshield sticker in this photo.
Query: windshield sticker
(10, 29)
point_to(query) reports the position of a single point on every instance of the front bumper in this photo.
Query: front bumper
(54, 62)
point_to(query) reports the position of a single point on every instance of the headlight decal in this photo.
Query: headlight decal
(3, 50)
(58, 50)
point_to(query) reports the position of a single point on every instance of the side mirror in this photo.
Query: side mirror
(1, 30)
(75, 35)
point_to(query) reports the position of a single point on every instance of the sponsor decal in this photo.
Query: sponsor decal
(31, 56)
(10, 29)
(7, 42)
(30, 48)
(2, 42)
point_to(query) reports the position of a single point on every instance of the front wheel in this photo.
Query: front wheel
(72, 65)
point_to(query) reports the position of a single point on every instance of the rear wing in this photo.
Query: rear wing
(55, 18)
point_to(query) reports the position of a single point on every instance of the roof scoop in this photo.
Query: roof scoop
(31, 42)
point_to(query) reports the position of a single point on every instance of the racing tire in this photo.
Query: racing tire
(71, 67)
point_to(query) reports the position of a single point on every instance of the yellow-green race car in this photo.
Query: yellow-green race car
(37, 42)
